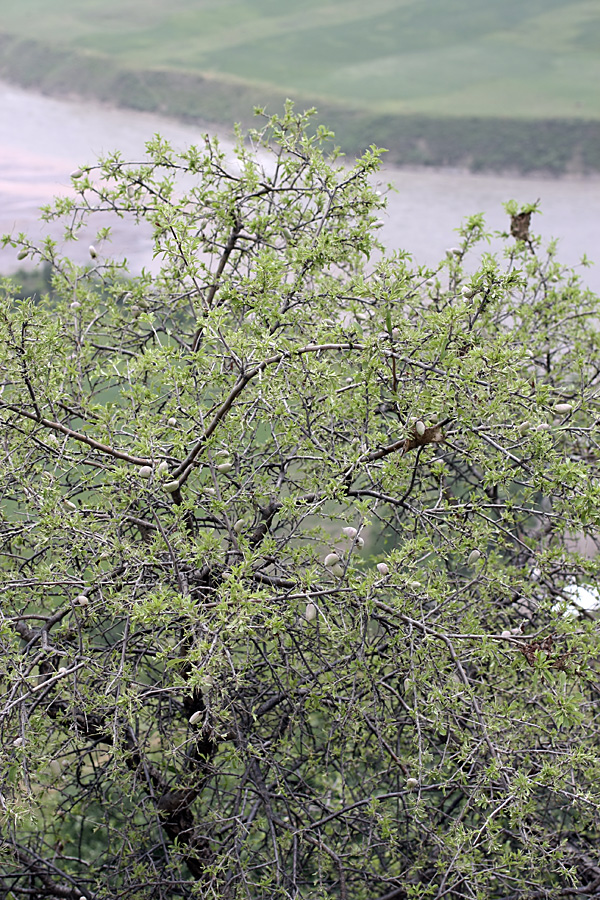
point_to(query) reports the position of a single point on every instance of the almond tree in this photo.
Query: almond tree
(295, 542)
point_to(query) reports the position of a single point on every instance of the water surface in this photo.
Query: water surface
(43, 139)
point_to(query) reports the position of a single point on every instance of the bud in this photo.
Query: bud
(172, 422)
(225, 467)
(331, 559)
(563, 408)
(350, 532)
(383, 568)
(474, 555)
(93, 252)
(22, 254)
(171, 486)
(310, 612)
(420, 428)
(145, 472)
(82, 600)
(195, 716)
(412, 783)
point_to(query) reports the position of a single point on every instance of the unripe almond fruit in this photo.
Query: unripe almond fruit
(239, 526)
(22, 254)
(172, 422)
(171, 486)
(145, 472)
(194, 717)
(17, 742)
(92, 251)
(310, 613)
(420, 428)
(225, 467)
(82, 600)
(524, 427)
(331, 559)
(77, 173)
(337, 570)
(474, 555)
(412, 783)
(563, 408)
(383, 568)
(163, 469)
(350, 532)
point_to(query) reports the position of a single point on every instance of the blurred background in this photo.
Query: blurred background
(476, 101)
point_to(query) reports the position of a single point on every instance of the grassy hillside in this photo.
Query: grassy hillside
(389, 64)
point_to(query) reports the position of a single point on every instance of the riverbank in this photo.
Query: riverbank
(495, 144)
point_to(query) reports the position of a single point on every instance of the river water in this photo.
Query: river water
(43, 139)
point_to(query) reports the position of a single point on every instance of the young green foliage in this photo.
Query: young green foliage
(289, 533)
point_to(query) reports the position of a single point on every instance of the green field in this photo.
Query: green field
(380, 64)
